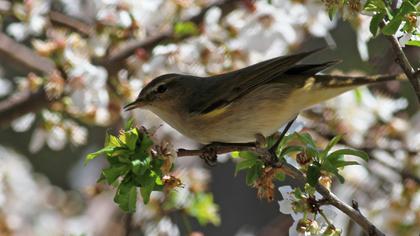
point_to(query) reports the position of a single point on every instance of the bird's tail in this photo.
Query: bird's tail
(319, 88)
(342, 81)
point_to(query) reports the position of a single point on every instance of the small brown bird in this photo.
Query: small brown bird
(236, 106)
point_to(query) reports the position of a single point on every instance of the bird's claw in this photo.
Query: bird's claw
(209, 155)
(260, 141)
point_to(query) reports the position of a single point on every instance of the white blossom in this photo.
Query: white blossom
(23, 123)
(35, 12)
(360, 114)
(57, 138)
(5, 87)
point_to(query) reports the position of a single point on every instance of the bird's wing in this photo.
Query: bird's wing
(310, 69)
(238, 83)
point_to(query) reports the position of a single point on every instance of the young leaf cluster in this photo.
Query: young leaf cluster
(402, 19)
(308, 213)
(314, 162)
(323, 160)
(132, 168)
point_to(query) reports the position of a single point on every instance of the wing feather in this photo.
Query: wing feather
(238, 83)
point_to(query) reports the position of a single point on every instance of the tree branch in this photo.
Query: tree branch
(60, 19)
(20, 56)
(292, 171)
(405, 65)
(24, 102)
(115, 61)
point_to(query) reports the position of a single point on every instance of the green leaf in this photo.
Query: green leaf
(248, 155)
(312, 152)
(113, 141)
(203, 208)
(183, 29)
(147, 183)
(132, 199)
(253, 174)
(290, 149)
(394, 24)
(313, 174)
(340, 164)
(234, 154)
(113, 172)
(131, 138)
(332, 11)
(105, 150)
(309, 189)
(375, 6)
(245, 164)
(330, 145)
(306, 139)
(298, 193)
(129, 124)
(286, 139)
(329, 166)
(146, 143)
(280, 176)
(146, 191)
(358, 95)
(375, 22)
(140, 166)
(126, 197)
(351, 152)
(413, 43)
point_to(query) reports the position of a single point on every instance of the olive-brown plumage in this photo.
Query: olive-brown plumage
(235, 106)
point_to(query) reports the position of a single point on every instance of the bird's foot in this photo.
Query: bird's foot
(209, 154)
(260, 141)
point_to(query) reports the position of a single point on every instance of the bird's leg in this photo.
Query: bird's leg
(266, 154)
(273, 148)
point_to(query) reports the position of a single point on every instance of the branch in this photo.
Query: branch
(25, 102)
(327, 133)
(21, 104)
(20, 56)
(402, 60)
(60, 19)
(115, 61)
(292, 171)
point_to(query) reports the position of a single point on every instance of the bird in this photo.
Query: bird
(237, 106)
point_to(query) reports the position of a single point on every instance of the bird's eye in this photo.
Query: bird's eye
(161, 88)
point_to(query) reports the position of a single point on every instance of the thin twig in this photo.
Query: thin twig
(60, 19)
(404, 173)
(27, 60)
(329, 197)
(321, 212)
(128, 224)
(405, 65)
(115, 61)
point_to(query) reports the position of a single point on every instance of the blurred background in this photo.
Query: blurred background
(67, 68)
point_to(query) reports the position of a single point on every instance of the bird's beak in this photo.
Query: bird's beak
(136, 104)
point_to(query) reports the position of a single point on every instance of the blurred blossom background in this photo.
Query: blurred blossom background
(68, 66)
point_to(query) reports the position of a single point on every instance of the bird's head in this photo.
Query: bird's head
(164, 93)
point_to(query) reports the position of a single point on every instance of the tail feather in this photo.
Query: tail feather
(337, 81)
(319, 88)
